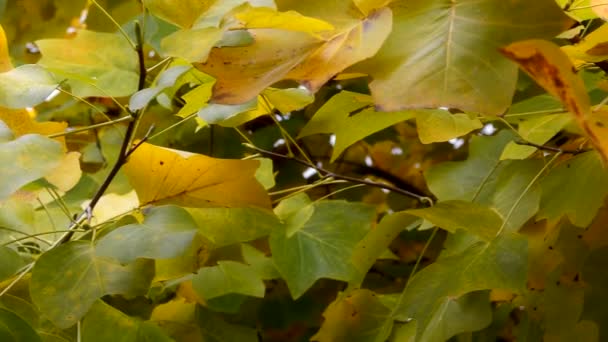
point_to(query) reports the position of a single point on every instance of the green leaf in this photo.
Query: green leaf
(264, 174)
(25, 86)
(180, 43)
(377, 240)
(165, 80)
(466, 180)
(288, 100)
(351, 117)
(517, 195)
(14, 329)
(262, 264)
(440, 125)
(426, 60)
(196, 99)
(500, 264)
(10, 262)
(596, 292)
(26, 159)
(96, 64)
(470, 312)
(105, 323)
(575, 188)
(216, 329)
(214, 113)
(321, 245)
(537, 130)
(167, 232)
(357, 317)
(471, 217)
(67, 280)
(228, 277)
(227, 226)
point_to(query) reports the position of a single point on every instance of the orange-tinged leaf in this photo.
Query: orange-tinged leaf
(360, 42)
(551, 68)
(600, 7)
(243, 72)
(161, 175)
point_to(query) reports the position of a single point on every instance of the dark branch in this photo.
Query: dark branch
(552, 149)
(327, 173)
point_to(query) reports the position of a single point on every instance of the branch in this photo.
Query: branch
(552, 149)
(327, 173)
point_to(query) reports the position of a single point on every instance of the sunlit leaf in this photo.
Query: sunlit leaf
(592, 48)
(226, 226)
(20, 123)
(351, 117)
(537, 130)
(67, 280)
(550, 67)
(264, 17)
(465, 180)
(577, 9)
(5, 59)
(68, 173)
(161, 175)
(357, 317)
(25, 86)
(228, 277)
(439, 125)
(105, 323)
(288, 100)
(575, 188)
(179, 44)
(166, 79)
(322, 245)
(96, 64)
(453, 215)
(14, 329)
(426, 60)
(600, 8)
(166, 233)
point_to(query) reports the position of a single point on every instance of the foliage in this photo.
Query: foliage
(244, 170)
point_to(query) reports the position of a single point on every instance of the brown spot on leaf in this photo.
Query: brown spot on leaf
(599, 49)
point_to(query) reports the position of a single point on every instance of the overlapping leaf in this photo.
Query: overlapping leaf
(228, 277)
(161, 175)
(439, 125)
(426, 60)
(318, 241)
(67, 280)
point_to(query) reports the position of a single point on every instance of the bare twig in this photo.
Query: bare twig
(552, 149)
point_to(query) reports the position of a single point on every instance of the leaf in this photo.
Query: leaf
(600, 8)
(228, 277)
(351, 117)
(161, 175)
(67, 174)
(178, 12)
(96, 64)
(595, 292)
(105, 323)
(21, 123)
(26, 159)
(318, 244)
(262, 264)
(499, 264)
(227, 226)
(453, 215)
(517, 194)
(592, 48)
(426, 60)
(25, 86)
(5, 58)
(165, 80)
(10, 262)
(214, 113)
(537, 130)
(575, 188)
(359, 316)
(440, 125)
(288, 100)
(67, 280)
(470, 312)
(14, 329)
(550, 68)
(167, 232)
(377, 240)
(179, 44)
(464, 180)
(578, 9)
(264, 17)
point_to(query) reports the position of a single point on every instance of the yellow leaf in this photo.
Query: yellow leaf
(600, 7)
(264, 17)
(161, 175)
(551, 68)
(367, 6)
(20, 122)
(5, 59)
(68, 173)
(593, 48)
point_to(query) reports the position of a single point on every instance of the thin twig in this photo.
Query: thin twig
(552, 149)
(327, 173)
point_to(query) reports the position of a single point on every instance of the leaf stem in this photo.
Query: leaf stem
(87, 128)
(122, 31)
(327, 173)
